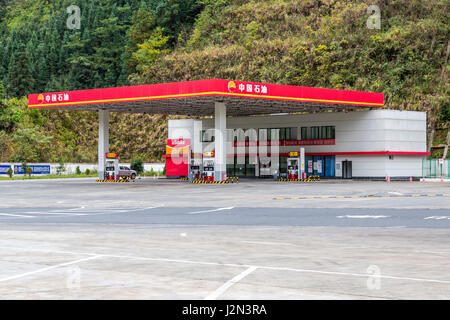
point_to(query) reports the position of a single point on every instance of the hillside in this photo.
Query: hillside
(299, 42)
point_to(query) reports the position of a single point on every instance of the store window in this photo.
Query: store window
(323, 132)
(208, 135)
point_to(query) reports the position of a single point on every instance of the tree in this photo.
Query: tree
(2, 91)
(140, 30)
(151, 49)
(19, 75)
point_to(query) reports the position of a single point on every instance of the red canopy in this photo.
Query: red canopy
(198, 97)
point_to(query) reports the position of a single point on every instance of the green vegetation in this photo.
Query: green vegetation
(300, 42)
(137, 165)
(152, 173)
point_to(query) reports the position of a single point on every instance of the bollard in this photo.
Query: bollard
(388, 179)
(410, 179)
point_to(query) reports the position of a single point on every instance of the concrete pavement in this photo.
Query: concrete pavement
(174, 240)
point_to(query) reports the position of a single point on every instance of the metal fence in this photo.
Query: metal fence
(435, 168)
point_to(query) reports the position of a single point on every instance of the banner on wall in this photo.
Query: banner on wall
(4, 169)
(36, 169)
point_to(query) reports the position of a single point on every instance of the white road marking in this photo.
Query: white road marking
(362, 217)
(270, 243)
(87, 212)
(218, 292)
(396, 193)
(49, 268)
(212, 210)
(15, 215)
(77, 208)
(95, 255)
(438, 217)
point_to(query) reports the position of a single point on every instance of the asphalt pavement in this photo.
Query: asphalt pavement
(239, 216)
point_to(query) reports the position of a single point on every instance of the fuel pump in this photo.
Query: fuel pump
(111, 166)
(293, 165)
(264, 166)
(195, 169)
(208, 166)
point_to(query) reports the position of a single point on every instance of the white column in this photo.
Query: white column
(220, 151)
(103, 141)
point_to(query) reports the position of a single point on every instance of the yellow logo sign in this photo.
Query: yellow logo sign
(231, 85)
(293, 154)
(41, 98)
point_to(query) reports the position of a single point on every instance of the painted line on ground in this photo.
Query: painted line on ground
(391, 195)
(15, 215)
(270, 243)
(105, 255)
(362, 216)
(212, 210)
(49, 268)
(221, 290)
(87, 212)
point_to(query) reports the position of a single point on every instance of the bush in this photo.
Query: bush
(77, 170)
(10, 172)
(24, 167)
(137, 165)
(60, 168)
(29, 171)
(87, 172)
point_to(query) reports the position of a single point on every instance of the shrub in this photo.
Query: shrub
(29, 171)
(10, 172)
(77, 170)
(87, 172)
(137, 165)
(24, 167)
(60, 168)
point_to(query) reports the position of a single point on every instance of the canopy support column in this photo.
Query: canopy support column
(220, 151)
(103, 141)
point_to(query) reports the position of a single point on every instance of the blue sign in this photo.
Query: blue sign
(4, 169)
(37, 169)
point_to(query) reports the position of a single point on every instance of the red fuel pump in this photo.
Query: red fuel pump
(112, 166)
(293, 165)
(208, 166)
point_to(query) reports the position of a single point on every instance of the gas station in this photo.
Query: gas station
(261, 130)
